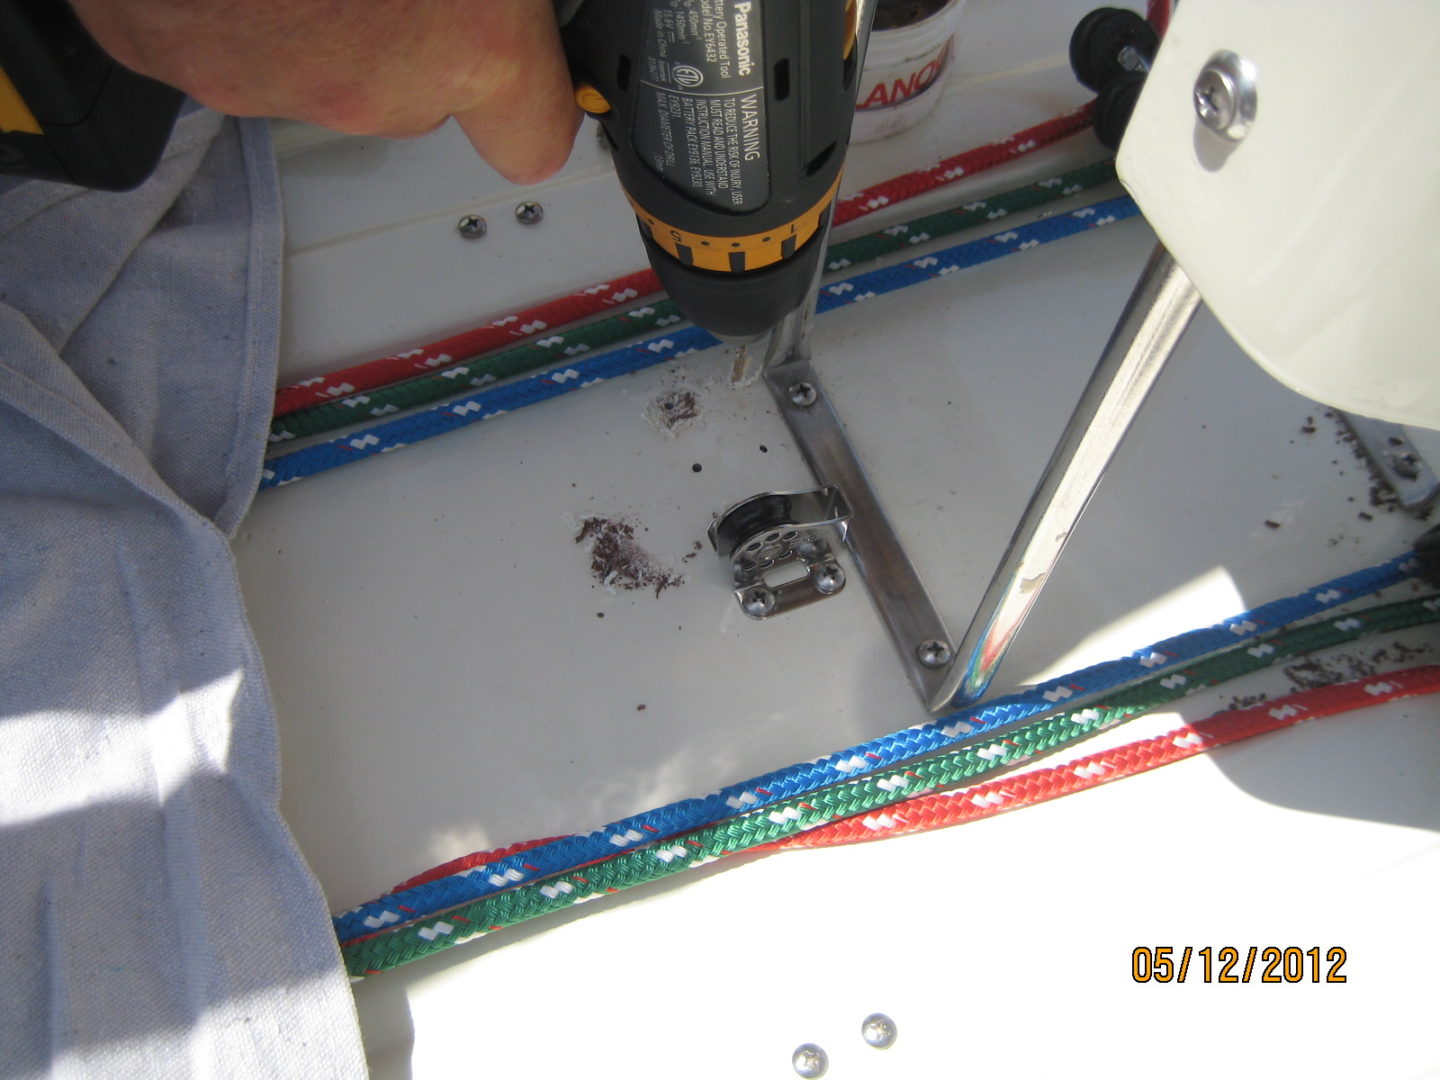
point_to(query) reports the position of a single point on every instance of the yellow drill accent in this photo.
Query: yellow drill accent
(732, 254)
(15, 115)
(591, 100)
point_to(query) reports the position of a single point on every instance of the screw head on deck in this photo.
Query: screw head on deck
(471, 226)
(878, 1030)
(810, 1061)
(529, 213)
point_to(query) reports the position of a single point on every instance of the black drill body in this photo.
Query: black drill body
(728, 122)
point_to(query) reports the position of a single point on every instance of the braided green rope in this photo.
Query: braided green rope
(974, 213)
(414, 940)
(479, 372)
(536, 354)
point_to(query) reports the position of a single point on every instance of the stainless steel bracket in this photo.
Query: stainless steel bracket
(1160, 309)
(919, 634)
(904, 606)
(1396, 460)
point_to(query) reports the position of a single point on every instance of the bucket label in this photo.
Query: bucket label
(700, 111)
(896, 85)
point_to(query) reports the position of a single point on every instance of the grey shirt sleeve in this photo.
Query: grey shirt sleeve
(156, 917)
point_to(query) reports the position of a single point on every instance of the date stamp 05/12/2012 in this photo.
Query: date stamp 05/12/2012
(1231, 964)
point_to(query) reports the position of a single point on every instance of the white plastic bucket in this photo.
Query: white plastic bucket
(904, 74)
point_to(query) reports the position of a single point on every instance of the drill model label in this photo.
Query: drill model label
(700, 112)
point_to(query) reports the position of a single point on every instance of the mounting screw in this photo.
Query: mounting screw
(828, 578)
(810, 1061)
(471, 226)
(878, 1030)
(1225, 95)
(934, 653)
(758, 602)
(529, 213)
(1405, 464)
(802, 395)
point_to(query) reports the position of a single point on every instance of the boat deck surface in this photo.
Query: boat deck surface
(451, 676)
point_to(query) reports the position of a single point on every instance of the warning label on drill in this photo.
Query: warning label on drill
(700, 121)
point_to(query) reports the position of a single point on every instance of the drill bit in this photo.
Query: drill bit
(746, 367)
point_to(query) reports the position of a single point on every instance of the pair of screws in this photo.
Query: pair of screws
(760, 600)
(473, 226)
(811, 1061)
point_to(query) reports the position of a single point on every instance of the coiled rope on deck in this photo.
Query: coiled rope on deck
(391, 948)
(1172, 655)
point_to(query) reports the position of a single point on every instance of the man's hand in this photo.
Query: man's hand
(366, 67)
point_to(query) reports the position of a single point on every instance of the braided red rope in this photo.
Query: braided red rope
(956, 807)
(504, 331)
(857, 205)
(475, 860)
(1158, 12)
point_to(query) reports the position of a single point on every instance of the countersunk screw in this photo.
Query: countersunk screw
(934, 653)
(828, 578)
(802, 395)
(529, 213)
(758, 602)
(1225, 95)
(471, 226)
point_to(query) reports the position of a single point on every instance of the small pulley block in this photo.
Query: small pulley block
(762, 536)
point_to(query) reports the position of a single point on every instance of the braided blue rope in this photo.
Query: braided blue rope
(437, 420)
(571, 852)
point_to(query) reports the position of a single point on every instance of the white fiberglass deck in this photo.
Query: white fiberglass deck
(450, 676)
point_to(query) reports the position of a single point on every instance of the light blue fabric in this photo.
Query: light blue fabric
(156, 918)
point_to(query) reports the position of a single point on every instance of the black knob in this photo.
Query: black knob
(1115, 104)
(1098, 45)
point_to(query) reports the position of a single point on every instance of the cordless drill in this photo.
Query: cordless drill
(728, 122)
(68, 111)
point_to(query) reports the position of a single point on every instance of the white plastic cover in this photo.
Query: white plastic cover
(1316, 238)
